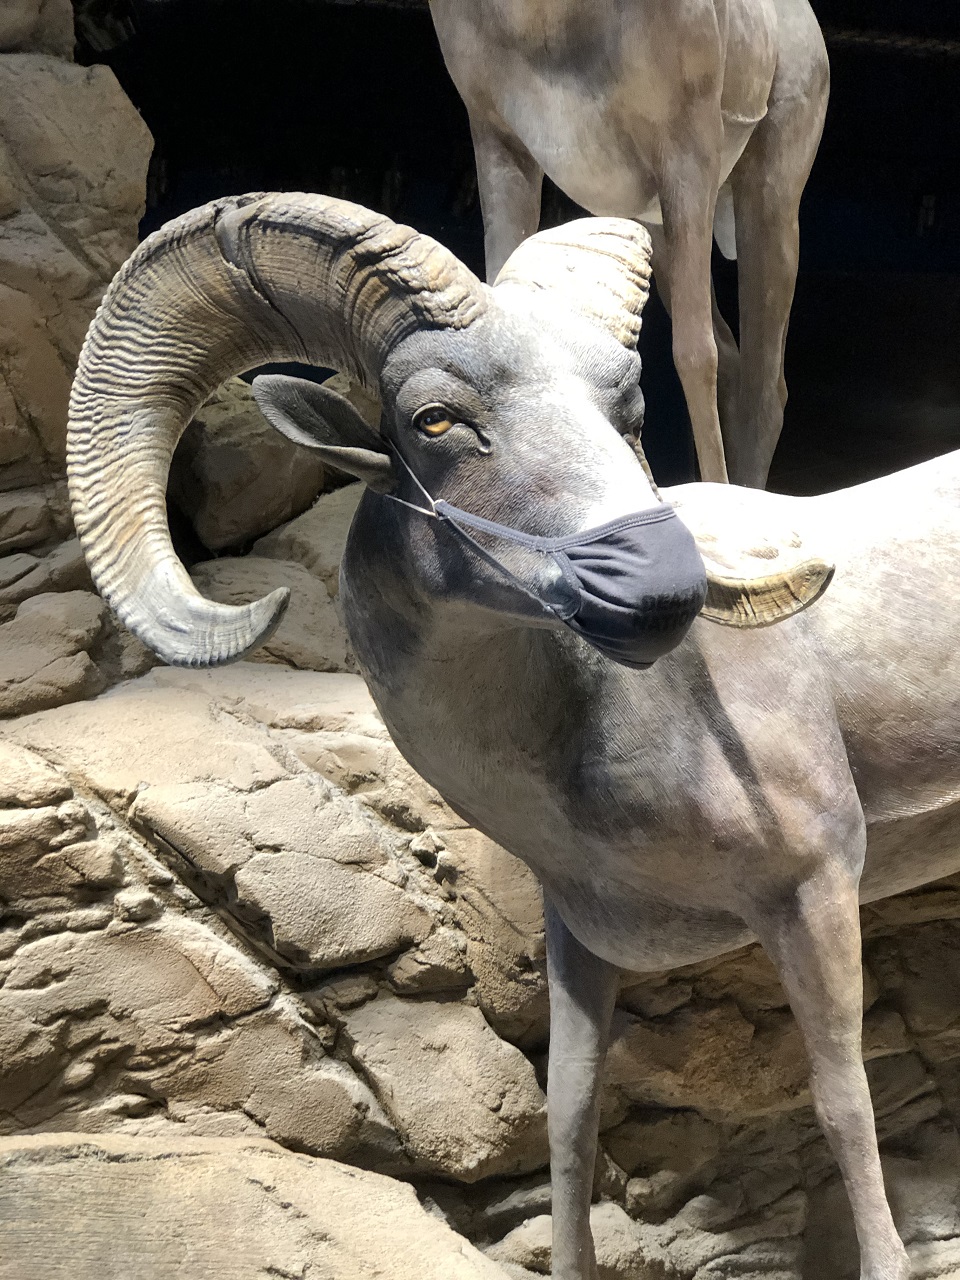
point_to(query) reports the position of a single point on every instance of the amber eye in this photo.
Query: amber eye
(434, 420)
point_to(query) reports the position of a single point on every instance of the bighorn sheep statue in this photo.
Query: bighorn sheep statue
(646, 109)
(511, 566)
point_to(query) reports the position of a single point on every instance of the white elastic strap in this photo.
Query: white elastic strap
(413, 476)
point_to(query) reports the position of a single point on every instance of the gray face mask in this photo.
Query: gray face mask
(631, 587)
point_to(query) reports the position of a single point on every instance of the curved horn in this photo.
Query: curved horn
(762, 601)
(611, 288)
(237, 283)
(760, 569)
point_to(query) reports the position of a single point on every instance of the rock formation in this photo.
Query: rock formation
(267, 1005)
(73, 161)
(73, 164)
(182, 1207)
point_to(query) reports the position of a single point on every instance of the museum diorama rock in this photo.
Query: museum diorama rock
(268, 1006)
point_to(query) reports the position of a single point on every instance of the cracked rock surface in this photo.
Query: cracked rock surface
(175, 1208)
(73, 160)
(239, 878)
(236, 478)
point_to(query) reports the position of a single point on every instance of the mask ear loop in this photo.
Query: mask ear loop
(432, 512)
(554, 610)
(446, 519)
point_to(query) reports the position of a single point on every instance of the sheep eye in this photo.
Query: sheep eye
(434, 420)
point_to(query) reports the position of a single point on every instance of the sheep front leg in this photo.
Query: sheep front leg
(582, 992)
(813, 938)
(728, 354)
(510, 183)
(767, 184)
(688, 195)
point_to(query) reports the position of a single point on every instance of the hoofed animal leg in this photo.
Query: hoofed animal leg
(728, 375)
(728, 354)
(814, 940)
(688, 194)
(582, 992)
(767, 184)
(510, 183)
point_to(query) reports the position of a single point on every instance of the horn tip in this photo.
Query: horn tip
(266, 616)
(255, 624)
(203, 633)
(763, 602)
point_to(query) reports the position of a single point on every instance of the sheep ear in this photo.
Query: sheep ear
(313, 415)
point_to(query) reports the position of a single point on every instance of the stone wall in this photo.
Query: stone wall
(73, 161)
(73, 164)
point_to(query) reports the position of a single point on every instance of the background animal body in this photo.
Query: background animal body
(641, 109)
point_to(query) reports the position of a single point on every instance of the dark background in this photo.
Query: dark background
(353, 99)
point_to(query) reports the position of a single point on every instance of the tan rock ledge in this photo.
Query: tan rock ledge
(82, 1207)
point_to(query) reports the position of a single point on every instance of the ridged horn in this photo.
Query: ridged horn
(237, 283)
(599, 267)
(762, 601)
